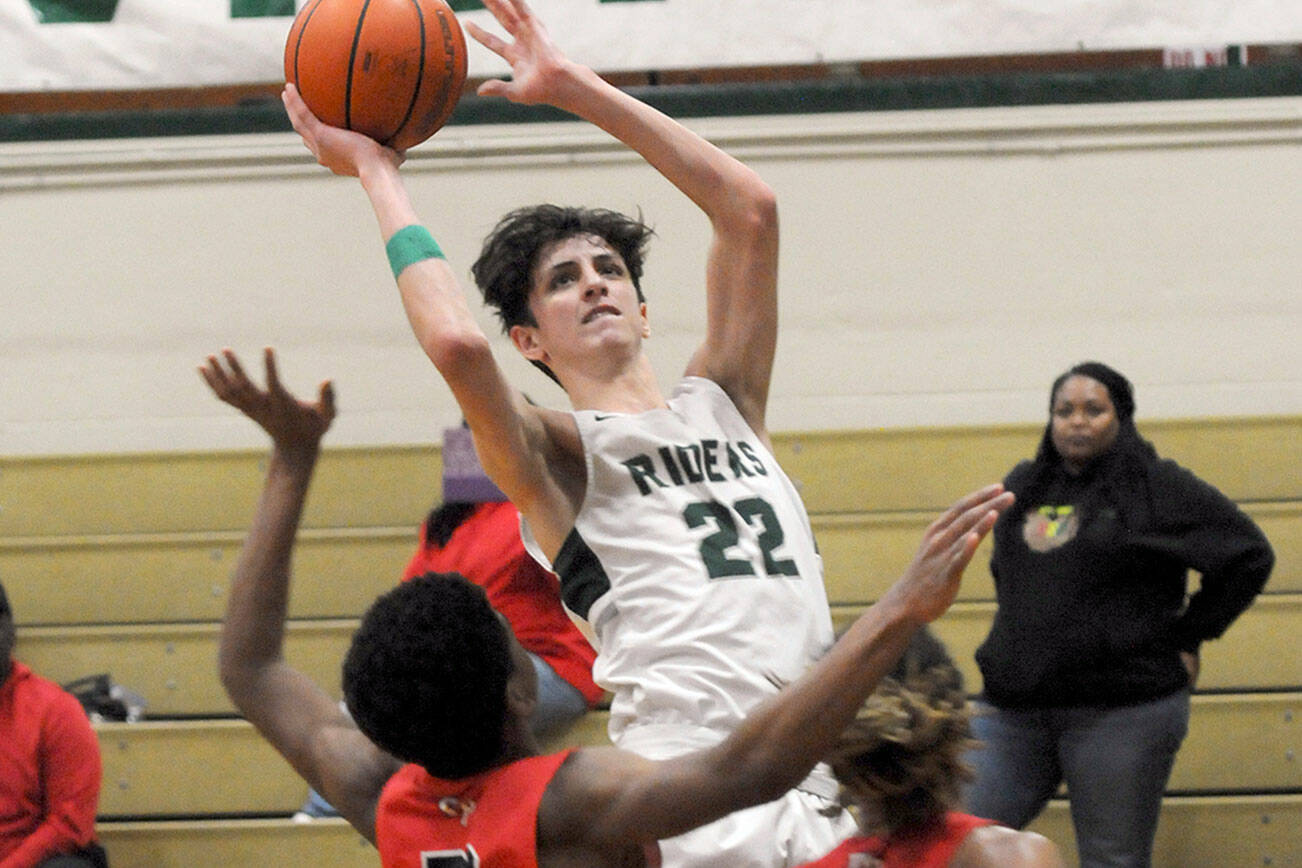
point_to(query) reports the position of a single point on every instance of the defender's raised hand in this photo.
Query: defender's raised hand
(292, 424)
(931, 582)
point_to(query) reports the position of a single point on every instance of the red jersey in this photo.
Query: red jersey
(49, 770)
(934, 849)
(489, 820)
(488, 551)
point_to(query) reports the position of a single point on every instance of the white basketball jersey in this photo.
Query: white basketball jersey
(693, 560)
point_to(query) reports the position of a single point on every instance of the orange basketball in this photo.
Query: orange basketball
(392, 69)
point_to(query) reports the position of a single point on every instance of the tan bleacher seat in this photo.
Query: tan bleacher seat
(901, 469)
(174, 666)
(147, 578)
(193, 767)
(1206, 831)
(242, 843)
(152, 578)
(864, 552)
(1257, 653)
(187, 492)
(120, 564)
(164, 768)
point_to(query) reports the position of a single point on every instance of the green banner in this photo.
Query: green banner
(262, 8)
(73, 11)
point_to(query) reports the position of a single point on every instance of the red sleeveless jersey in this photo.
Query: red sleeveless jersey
(489, 820)
(933, 849)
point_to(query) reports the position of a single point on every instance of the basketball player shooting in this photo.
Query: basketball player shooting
(675, 532)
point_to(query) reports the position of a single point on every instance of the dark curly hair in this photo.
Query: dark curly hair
(903, 755)
(425, 676)
(505, 265)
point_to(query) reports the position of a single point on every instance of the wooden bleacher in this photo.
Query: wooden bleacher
(120, 564)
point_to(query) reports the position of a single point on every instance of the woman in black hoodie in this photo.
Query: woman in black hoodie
(1094, 648)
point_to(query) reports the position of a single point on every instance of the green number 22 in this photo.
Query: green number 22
(758, 514)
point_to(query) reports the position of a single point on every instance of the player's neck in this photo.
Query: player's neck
(632, 389)
(518, 742)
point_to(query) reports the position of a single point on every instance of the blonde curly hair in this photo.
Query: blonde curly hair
(902, 758)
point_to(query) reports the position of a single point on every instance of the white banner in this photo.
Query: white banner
(59, 44)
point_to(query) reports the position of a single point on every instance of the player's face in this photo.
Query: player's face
(583, 298)
(1084, 421)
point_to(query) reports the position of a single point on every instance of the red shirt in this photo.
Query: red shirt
(488, 820)
(49, 771)
(486, 548)
(934, 849)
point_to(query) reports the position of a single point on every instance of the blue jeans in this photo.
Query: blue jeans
(559, 704)
(1116, 762)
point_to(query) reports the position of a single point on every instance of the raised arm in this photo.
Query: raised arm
(300, 721)
(514, 440)
(741, 274)
(625, 799)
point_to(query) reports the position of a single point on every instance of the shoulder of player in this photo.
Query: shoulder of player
(749, 404)
(582, 802)
(557, 432)
(531, 453)
(353, 774)
(1001, 847)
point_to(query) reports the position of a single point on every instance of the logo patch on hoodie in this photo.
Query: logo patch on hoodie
(1049, 527)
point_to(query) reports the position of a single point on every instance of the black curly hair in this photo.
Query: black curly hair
(503, 272)
(425, 676)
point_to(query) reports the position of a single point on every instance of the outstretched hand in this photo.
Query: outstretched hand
(536, 62)
(931, 582)
(343, 152)
(294, 425)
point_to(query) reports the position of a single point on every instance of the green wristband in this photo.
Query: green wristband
(409, 245)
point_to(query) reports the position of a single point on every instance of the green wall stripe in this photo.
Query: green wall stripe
(729, 99)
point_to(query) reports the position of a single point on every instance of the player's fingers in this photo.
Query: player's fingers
(965, 547)
(962, 505)
(493, 87)
(525, 21)
(300, 116)
(491, 41)
(237, 370)
(505, 13)
(213, 376)
(326, 399)
(975, 498)
(967, 550)
(966, 512)
(981, 517)
(293, 104)
(273, 377)
(220, 381)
